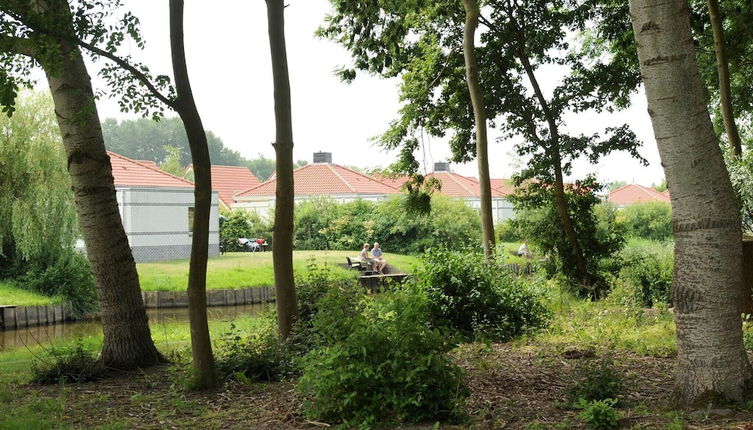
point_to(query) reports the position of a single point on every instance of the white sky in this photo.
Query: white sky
(229, 66)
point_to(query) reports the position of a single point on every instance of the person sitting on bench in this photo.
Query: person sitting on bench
(379, 262)
(366, 257)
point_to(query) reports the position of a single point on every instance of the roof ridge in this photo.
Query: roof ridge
(158, 170)
(371, 178)
(450, 174)
(339, 176)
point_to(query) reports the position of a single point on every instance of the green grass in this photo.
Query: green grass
(605, 324)
(247, 269)
(509, 250)
(11, 295)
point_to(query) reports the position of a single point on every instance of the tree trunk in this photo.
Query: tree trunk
(722, 66)
(282, 251)
(479, 111)
(201, 346)
(127, 341)
(560, 199)
(712, 364)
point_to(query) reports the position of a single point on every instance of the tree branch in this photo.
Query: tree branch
(16, 45)
(131, 69)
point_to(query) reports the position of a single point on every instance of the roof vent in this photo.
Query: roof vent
(322, 157)
(442, 167)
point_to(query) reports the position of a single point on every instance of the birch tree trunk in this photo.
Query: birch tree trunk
(479, 112)
(201, 346)
(282, 247)
(711, 361)
(722, 66)
(127, 341)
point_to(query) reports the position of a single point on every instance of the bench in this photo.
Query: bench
(356, 263)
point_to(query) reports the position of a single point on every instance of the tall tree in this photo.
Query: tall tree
(282, 252)
(184, 104)
(42, 31)
(722, 65)
(421, 42)
(472, 13)
(712, 363)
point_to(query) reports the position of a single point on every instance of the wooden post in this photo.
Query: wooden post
(747, 300)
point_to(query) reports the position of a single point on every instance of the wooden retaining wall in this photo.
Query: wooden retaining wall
(179, 299)
(29, 316)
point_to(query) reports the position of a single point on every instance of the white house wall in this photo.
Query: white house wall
(501, 208)
(156, 222)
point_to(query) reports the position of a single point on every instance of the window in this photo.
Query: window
(190, 219)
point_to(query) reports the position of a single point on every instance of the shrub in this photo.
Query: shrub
(241, 223)
(507, 231)
(258, 355)
(647, 220)
(387, 366)
(67, 274)
(594, 380)
(647, 270)
(598, 234)
(476, 297)
(599, 414)
(73, 363)
(326, 224)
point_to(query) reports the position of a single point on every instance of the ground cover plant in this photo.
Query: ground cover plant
(251, 269)
(11, 294)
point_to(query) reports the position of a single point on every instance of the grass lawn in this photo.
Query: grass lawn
(10, 295)
(251, 269)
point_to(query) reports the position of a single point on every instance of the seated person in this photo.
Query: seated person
(379, 262)
(365, 256)
(523, 250)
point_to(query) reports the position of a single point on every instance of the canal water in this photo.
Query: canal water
(48, 334)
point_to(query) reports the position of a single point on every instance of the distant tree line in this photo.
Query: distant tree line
(165, 143)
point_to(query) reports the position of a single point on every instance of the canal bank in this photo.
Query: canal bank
(18, 317)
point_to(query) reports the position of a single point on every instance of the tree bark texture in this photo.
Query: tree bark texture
(479, 112)
(722, 66)
(560, 199)
(282, 250)
(127, 340)
(201, 346)
(711, 361)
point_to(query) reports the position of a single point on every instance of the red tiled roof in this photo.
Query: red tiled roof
(634, 193)
(455, 185)
(148, 163)
(503, 185)
(229, 180)
(324, 179)
(132, 173)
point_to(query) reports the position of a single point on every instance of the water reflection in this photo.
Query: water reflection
(47, 334)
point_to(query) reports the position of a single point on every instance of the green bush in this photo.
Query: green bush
(599, 235)
(599, 414)
(68, 364)
(647, 220)
(594, 380)
(326, 224)
(241, 223)
(257, 355)
(381, 364)
(506, 231)
(476, 297)
(647, 270)
(66, 273)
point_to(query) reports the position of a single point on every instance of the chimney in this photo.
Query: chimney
(442, 167)
(322, 157)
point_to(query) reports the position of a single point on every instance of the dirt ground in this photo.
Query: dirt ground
(512, 387)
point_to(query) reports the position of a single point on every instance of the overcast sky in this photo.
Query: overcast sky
(229, 67)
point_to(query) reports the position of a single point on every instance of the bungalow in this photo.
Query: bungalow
(468, 189)
(634, 193)
(157, 211)
(229, 180)
(321, 178)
